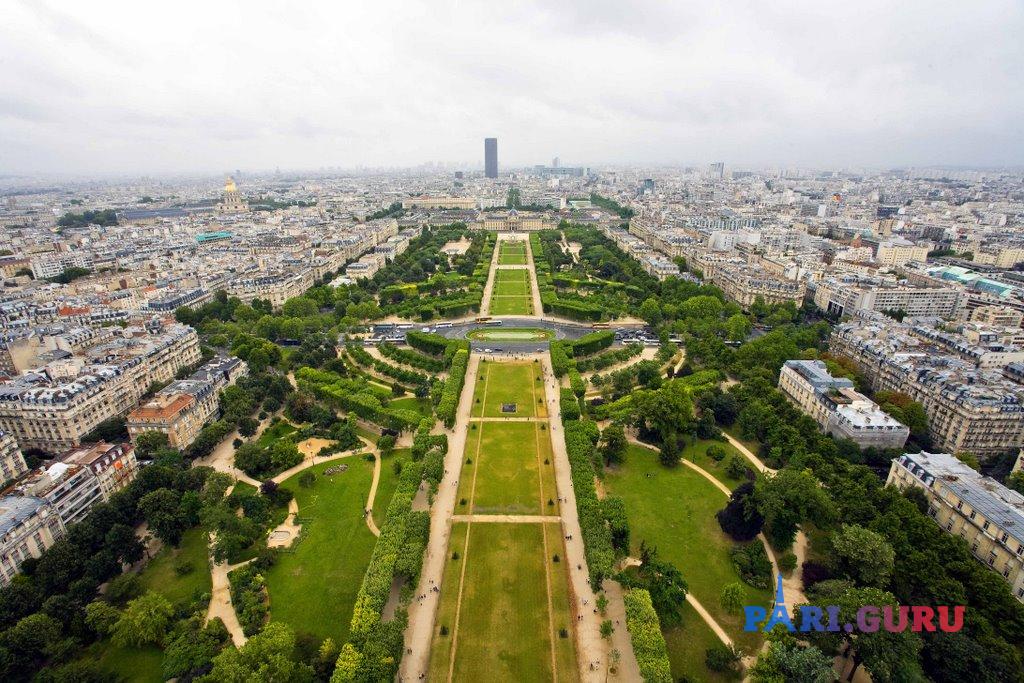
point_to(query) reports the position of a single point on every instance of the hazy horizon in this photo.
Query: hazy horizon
(100, 90)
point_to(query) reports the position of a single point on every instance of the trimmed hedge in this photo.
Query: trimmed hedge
(561, 362)
(356, 397)
(411, 358)
(592, 343)
(609, 358)
(569, 404)
(580, 440)
(360, 356)
(449, 402)
(645, 632)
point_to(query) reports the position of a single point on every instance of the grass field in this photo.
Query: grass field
(127, 663)
(500, 383)
(511, 334)
(276, 431)
(511, 477)
(512, 254)
(422, 406)
(687, 642)
(313, 589)
(674, 510)
(159, 574)
(511, 293)
(503, 629)
(388, 482)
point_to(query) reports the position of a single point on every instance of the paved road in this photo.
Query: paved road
(590, 647)
(422, 613)
(485, 300)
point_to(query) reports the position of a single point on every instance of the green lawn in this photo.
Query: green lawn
(127, 663)
(509, 383)
(423, 406)
(753, 445)
(497, 334)
(159, 574)
(511, 305)
(512, 254)
(313, 589)
(276, 431)
(674, 510)
(388, 482)
(511, 294)
(697, 454)
(504, 630)
(506, 468)
(687, 642)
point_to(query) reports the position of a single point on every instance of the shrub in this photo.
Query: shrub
(752, 564)
(716, 452)
(645, 633)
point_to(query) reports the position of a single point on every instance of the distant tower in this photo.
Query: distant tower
(554, 162)
(232, 202)
(491, 157)
(716, 170)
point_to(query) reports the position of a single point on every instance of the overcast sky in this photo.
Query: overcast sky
(99, 88)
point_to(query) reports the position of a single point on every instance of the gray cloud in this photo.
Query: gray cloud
(104, 87)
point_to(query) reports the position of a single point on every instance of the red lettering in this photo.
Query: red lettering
(958, 619)
(901, 625)
(922, 618)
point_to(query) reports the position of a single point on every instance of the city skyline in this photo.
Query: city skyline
(100, 91)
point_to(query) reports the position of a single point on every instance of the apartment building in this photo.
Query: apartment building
(113, 465)
(846, 295)
(440, 203)
(28, 526)
(746, 284)
(969, 408)
(12, 461)
(179, 410)
(71, 490)
(900, 252)
(54, 412)
(838, 408)
(276, 287)
(978, 509)
(53, 264)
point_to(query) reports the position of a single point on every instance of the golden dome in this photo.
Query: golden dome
(230, 186)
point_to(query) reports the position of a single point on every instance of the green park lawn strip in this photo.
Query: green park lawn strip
(276, 431)
(753, 445)
(127, 663)
(506, 470)
(508, 383)
(313, 587)
(687, 642)
(565, 648)
(511, 288)
(159, 575)
(388, 482)
(674, 510)
(511, 334)
(504, 630)
(697, 454)
(441, 648)
(511, 305)
(420, 405)
(512, 255)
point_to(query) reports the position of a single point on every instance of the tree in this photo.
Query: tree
(160, 508)
(607, 629)
(670, 451)
(650, 310)
(788, 498)
(122, 541)
(720, 658)
(613, 444)
(863, 556)
(27, 644)
(787, 661)
(716, 452)
(735, 467)
(732, 597)
(1016, 481)
(144, 621)
(386, 444)
(101, 616)
(267, 656)
(740, 517)
(969, 459)
(149, 442)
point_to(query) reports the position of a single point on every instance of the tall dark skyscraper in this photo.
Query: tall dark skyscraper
(491, 157)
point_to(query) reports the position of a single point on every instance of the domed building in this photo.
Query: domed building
(232, 202)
